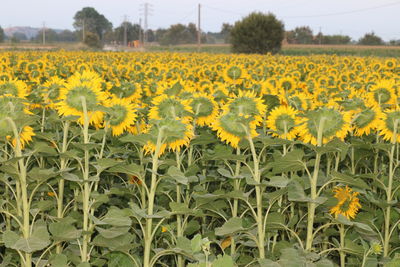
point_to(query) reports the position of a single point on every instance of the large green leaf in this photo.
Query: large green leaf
(231, 226)
(61, 231)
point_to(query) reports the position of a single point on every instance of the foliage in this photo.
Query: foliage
(132, 30)
(257, 33)
(92, 40)
(370, 39)
(89, 20)
(300, 35)
(2, 35)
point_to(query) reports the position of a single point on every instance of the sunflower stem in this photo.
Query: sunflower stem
(22, 173)
(61, 182)
(342, 246)
(86, 187)
(386, 245)
(313, 186)
(259, 219)
(153, 187)
(179, 230)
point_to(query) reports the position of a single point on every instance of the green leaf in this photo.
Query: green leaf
(179, 208)
(296, 192)
(10, 238)
(117, 217)
(183, 243)
(196, 243)
(58, 260)
(140, 139)
(113, 231)
(174, 173)
(292, 161)
(39, 239)
(223, 261)
(231, 226)
(132, 169)
(119, 259)
(40, 175)
(61, 231)
(348, 180)
(121, 243)
(83, 264)
(278, 181)
(103, 164)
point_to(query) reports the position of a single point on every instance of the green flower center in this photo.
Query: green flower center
(173, 130)
(54, 91)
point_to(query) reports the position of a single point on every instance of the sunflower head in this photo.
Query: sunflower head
(170, 107)
(120, 115)
(205, 109)
(382, 93)
(348, 203)
(282, 121)
(389, 125)
(366, 120)
(14, 88)
(323, 124)
(174, 132)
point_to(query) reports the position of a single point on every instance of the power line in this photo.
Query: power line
(345, 12)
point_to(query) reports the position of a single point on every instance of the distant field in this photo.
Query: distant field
(291, 50)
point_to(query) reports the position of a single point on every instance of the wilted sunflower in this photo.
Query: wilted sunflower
(282, 121)
(348, 203)
(329, 121)
(120, 115)
(387, 125)
(77, 90)
(175, 134)
(205, 109)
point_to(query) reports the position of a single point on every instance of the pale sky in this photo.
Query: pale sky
(350, 17)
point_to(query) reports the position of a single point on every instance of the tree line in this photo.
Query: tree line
(95, 29)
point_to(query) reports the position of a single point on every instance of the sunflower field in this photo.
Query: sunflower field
(163, 159)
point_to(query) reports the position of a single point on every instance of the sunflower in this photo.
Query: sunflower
(233, 75)
(330, 122)
(127, 90)
(170, 107)
(205, 109)
(25, 136)
(381, 93)
(77, 90)
(51, 90)
(366, 120)
(175, 134)
(282, 121)
(239, 118)
(389, 125)
(348, 203)
(14, 87)
(120, 115)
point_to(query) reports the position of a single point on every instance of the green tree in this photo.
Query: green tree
(371, 39)
(89, 20)
(67, 36)
(257, 33)
(179, 34)
(92, 40)
(226, 32)
(303, 35)
(2, 35)
(132, 31)
(51, 36)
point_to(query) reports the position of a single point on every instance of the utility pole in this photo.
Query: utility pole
(125, 30)
(140, 32)
(198, 31)
(83, 30)
(146, 13)
(44, 33)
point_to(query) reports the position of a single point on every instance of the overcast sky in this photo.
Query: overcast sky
(350, 17)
